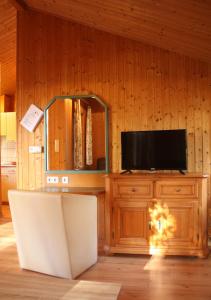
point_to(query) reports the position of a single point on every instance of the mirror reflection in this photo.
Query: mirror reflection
(76, 134)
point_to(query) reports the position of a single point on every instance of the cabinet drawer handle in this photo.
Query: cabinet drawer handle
(178, 190)
(133, 190)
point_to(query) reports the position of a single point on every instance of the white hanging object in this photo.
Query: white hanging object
(31, 118)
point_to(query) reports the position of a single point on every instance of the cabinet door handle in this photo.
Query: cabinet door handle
(133, 190)
(178, 190)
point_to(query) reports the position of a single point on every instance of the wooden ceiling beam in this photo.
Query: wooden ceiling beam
(19, 4)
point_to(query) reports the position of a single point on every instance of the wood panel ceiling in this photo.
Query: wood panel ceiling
(179, 26)
(7, 47)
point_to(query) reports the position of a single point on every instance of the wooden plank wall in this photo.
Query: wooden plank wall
(145, 87)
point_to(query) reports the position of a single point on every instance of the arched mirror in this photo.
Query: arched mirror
(76, 135)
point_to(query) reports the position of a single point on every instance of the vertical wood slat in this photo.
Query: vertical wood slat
(144, 87)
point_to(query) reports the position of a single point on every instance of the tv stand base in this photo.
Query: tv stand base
(126, 171)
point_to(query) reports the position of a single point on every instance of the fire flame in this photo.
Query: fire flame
(162, 226)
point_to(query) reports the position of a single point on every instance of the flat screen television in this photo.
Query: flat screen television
(154, 150)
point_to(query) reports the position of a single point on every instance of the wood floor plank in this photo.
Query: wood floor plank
(16, 283)
(141, 277)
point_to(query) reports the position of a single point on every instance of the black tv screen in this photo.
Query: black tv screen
(154, 150)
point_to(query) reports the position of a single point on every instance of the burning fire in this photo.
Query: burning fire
(162, 226)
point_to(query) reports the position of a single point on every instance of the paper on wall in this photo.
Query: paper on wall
(31, 118)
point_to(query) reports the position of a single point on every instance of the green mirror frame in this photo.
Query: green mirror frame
(46, 137)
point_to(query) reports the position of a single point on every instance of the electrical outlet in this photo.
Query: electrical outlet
(55, 179)
(48, 179)
(65, 179)
(52, 179)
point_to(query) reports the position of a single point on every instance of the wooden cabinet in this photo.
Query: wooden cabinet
(8, 125)
(7, 103)
(163, 214)
(7, 181)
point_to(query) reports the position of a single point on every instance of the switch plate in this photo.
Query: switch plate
(35, 149)
(65, 179)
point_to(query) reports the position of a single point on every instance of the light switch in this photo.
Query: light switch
(65, 179)
(56, 145)
(35, 149)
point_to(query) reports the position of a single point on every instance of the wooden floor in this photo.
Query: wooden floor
(22, 284)
(141, 277)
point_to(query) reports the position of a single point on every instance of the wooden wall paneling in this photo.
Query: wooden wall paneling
(8, 48)
(21, 99)
(182, 100)
(207, 122)
(19, 168)
(114, 108)
(141, 84)
(77, 74)
(40, 95)
(113, 98)
(173, 91)
(158, 90)
(32, 64)
(138, 86)
(198, 118)
(150, 89)
(63, 43)
(206, 140)
(142, 87)
(129, 87)
(190, 119)
(154, 23)
(166, 112)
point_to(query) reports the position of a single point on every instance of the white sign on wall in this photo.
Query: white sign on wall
(31, 118)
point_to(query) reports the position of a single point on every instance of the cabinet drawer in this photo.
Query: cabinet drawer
(135, 188)
(176, 189)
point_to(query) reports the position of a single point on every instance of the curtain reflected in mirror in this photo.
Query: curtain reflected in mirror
(76, 134)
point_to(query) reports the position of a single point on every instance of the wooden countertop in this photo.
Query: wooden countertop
(73, 190)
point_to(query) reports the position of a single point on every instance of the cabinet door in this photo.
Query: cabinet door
(177, 224)
(130, 223)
